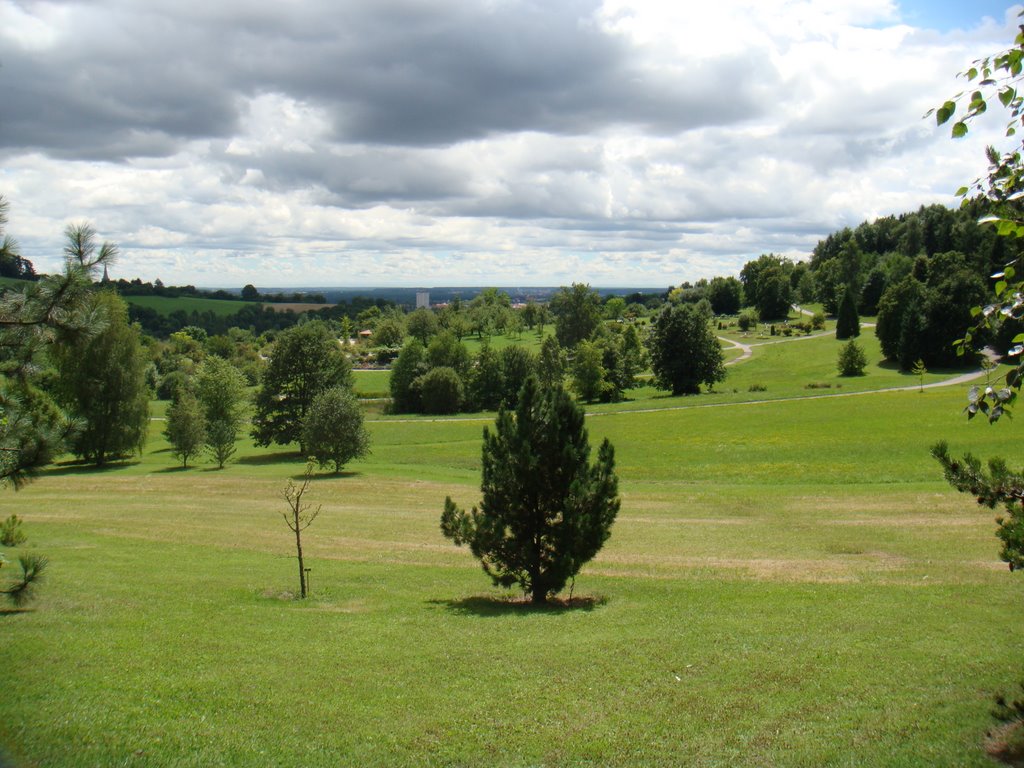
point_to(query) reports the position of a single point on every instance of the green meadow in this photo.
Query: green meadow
(789, 582)
(165, 305)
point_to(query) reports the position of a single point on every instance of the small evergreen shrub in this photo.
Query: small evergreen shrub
(11, 534)
(852, 360)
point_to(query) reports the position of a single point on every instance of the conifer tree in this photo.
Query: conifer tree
(545, 509)
(848, 321)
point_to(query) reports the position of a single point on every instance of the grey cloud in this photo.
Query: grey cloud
(131, 79)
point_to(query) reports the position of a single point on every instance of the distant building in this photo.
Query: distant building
(422, 299)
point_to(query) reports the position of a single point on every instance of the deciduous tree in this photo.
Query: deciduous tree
(305, 361)
(684, 352)
(333, 430)
(577, 312)
(186, 427)
(221, 391)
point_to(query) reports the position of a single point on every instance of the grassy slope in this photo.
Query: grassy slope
(165, 305)
(788, 583)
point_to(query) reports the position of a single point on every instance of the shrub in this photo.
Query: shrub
(747, 319)
(757, 388)
(440, 390)
(818, 321)
(852, 360)
(11, 534)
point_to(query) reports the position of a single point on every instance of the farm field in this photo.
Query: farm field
(166, 305)
(788, 583)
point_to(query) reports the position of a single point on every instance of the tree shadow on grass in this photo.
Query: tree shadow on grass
(490, 606)
(81, 468)
(326, 475)
(12, 611)
(264, 459)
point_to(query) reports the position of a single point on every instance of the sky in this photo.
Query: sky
(477, 142)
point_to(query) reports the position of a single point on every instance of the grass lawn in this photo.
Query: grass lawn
(788, 583)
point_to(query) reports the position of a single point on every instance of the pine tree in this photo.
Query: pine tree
(545, 509)
(848, 321)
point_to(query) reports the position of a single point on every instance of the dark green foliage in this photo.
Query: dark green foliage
(747, 320)
(872, 291)
(11, 534)
(57, 309)
(577, 312)
(997, 486)
(684, 351)
(848, 321)
(517, 365)
(409, 366)
(852, 360)
(33, 431)
(894, 303)
(440, 391)
(588, 371)
(22, 590)
(774, 294)
(186, 427)
(545, 509)
(421, 324)
(447, 351)
(725, 295)
(766, 285)
(102, 382)
(551, 363)
(249, 293)
(333, 429)
(389, 332)
(305, 361)
(486, 382)
(221, 391)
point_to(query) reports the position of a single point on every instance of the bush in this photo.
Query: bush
(11, 534)
(818, 321)
(852, 360)
(747, 320)
(440, 390)
(757, 388)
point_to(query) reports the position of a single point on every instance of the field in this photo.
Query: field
(789, 582)
(166, 305)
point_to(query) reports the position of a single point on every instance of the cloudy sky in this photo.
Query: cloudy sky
(476, 142)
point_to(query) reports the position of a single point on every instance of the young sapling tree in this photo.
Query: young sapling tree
(299, 516)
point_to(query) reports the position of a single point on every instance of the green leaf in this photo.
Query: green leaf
(959, 129)
(961, 192)
(945, 112)
(972, 73)
(1000, 287)
(1007, 95)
